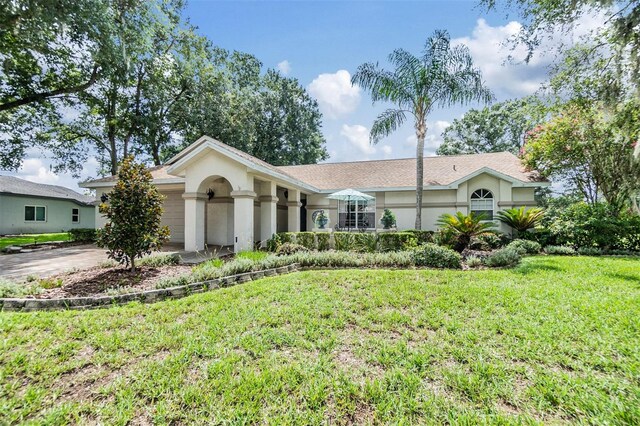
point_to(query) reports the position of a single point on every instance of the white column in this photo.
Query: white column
(268, 211)
(194, 212)
(243, 220)
(293, 210)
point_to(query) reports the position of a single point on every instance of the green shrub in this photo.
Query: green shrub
(617, 252)
(445, 238)
(323, 240)
(160, 260)
(83, 235)
(580, 224)
(290, 248)
(388, 219)
(525, 246)
(174, 281)
(396, 241)
(435, 256)
(49, 283)
(344, 241)
(9, 289)
(474, 261)
(560, 250)
(251, 255)
(287, 237)
(336, 259)
(493, 240)
(589, 251)
(274, 242)
(422, 237)
(507, 256)
(365, 242)
(306, 239)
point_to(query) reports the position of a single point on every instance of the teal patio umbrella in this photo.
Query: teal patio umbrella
(349, 195)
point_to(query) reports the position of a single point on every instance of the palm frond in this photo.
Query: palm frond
(386, 123)
(520, 219)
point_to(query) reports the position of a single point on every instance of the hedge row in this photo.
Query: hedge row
(361, 242)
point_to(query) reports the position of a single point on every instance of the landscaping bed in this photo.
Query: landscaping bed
(108, 281)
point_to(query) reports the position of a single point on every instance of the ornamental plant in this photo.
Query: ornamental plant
(133, 210)
(388, 219)
(521, 220)
(464, 227)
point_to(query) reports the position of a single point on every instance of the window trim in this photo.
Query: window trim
(77, 215)
(35, 213)
(483, 195)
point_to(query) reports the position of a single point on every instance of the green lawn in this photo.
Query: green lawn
(31, 238)
(555, 340)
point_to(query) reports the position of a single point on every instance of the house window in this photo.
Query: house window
(357, 214)
(35, 213)
(482, 203)
(75, 215)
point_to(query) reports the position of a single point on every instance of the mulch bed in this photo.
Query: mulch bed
(101, 281)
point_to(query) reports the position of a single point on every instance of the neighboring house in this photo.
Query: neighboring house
(219, 195)
(29, 208)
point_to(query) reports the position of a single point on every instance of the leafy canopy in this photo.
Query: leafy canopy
(133, 212)
(500, 127)
(591, 149)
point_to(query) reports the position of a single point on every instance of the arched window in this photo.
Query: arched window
(482, 203)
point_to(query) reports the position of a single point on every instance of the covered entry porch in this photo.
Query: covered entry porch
(233, 199)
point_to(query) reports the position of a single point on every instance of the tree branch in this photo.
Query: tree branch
(38, 97)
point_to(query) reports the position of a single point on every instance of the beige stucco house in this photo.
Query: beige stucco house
(219, 195)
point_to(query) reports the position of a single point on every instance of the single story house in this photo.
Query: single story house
(32, 208)
(219, 195)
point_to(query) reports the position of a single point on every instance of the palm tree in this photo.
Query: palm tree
(464, 227)
(521, 220)
(442, 76)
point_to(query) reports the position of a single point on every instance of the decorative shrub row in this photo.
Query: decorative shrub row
(83, 235)
(360, 242)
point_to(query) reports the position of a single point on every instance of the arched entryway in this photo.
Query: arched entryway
(219, 211)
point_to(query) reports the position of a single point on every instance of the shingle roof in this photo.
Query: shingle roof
(14, 185)
(438, 171)
(397, 173)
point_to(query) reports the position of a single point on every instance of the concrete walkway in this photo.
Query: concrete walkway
(46, 263)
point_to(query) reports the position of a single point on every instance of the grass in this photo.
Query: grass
(18, 240)
(554, 340)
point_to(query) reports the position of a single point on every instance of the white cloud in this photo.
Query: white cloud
(34, 170)
(358, 137)
(284, 67)
(335, 94)
(386, 150)
(491, 51)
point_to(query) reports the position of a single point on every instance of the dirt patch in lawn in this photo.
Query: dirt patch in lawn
(114, 280)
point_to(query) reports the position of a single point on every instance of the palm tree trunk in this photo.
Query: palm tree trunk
(420, 134)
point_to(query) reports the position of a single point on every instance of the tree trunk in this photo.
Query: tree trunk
(421, 131)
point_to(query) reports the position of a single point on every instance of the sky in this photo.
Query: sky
(321, 44)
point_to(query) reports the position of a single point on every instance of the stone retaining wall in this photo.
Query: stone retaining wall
(147, 296)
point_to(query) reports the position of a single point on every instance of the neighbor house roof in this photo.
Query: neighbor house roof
(16, 186)
(401, 173)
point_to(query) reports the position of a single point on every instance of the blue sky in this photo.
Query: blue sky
(321, 43)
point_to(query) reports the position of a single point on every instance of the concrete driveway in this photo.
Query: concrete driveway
(50, 262)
